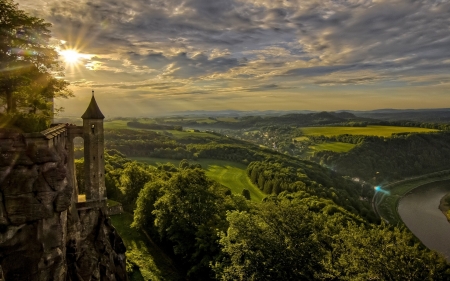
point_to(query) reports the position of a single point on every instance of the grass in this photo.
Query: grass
(382, 131)
(112, 203)
(227, 173)
(333, 146)
(151, 261)
(117, 124)
(388, 197)
(302, 138)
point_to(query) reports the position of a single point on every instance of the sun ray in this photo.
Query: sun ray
(70, 56)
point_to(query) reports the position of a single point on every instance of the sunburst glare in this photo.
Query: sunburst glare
(73, 57)
(70, 56)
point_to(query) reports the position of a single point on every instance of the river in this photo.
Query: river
(419, 210)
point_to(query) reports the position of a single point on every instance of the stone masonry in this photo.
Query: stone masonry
(45, 234)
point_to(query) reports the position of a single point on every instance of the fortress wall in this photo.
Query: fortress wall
(42, 234)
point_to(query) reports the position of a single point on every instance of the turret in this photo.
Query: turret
(94, 162)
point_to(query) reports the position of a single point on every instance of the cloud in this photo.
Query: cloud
(246, 44)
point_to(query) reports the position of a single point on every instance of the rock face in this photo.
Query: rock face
(43, 236)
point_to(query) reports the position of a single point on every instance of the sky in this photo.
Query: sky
(148, 57)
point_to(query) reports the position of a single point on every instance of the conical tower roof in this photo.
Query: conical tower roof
(93, 111)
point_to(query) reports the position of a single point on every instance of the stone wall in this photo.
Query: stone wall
(42, 234)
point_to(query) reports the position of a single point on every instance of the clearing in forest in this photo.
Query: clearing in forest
(230, 174)
(332, 146)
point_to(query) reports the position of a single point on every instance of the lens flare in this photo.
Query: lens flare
(379, 189)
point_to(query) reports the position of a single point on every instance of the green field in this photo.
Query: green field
(116, 124)
(302, 138)
(151, 262)
(229, 174)
(333, 146)
(382, 131)
(387, 199)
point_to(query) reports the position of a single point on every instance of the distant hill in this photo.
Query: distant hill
(435, 116)
(292, 119)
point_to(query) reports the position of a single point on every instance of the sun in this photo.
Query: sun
(71, 56)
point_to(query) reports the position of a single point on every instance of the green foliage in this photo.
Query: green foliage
(274, 178)
(289, 240)
(274, 242)
(132, 179)
(187, 215)
(184, 164)
(26, 122)
(381, 253)
(227, 173)
(314, 225)
(135, 124)
(143, 214)
(28, 63)
(145, 260)
(246, 194)
(401, 156)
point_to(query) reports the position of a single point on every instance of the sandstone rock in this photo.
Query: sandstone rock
(62, 202)
(19, 180)
(42, 234)
(25, 208)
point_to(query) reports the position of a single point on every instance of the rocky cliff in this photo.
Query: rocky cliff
(44, 234)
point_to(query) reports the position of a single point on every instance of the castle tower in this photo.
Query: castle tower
(94, 162)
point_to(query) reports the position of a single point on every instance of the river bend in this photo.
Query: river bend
(419, 210)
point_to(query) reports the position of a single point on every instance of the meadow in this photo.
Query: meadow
(332, 146)
(382, 131)
(227, 173)
(150, 262)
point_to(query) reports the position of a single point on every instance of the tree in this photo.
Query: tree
(132, 180)
(246, 193)
(189, 215)
(381, 253)
(276, 241)
(143, 216)
(28, 62)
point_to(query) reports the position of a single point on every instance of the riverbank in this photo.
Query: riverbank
(444, 206)
(388, 196)
(419, 211)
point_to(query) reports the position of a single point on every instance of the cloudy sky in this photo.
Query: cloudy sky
(146, 57)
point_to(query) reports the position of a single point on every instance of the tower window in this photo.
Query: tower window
(92, 128)
(94, 157)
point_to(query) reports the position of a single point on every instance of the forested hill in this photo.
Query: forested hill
(300, 120)
(387, 159)
(433, 116)
(314, 224)
(271, 171)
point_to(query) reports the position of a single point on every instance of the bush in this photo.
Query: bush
(246, 194)
(26, 122)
